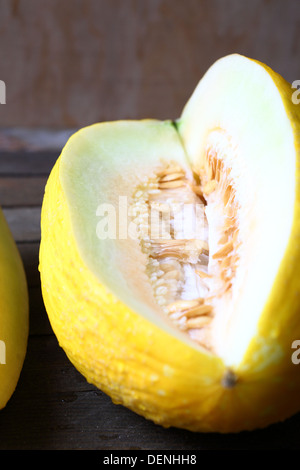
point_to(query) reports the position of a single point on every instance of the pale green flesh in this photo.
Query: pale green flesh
(240, 97)
(107, 161)
(104, 161)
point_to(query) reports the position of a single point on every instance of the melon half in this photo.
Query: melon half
(170, 250)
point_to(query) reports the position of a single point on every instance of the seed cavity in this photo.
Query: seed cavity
(188, 227)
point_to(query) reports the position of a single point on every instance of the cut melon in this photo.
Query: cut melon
(169, 255)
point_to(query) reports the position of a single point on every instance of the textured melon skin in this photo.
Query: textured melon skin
(144, 368)
(14, 315)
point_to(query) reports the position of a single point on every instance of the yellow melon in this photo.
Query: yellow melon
(14, 315)
(170, 250)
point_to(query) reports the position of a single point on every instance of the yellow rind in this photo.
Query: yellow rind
(146, 369)
(269, 353)
(14, 315)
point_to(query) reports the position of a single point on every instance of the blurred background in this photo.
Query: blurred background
(70, 63)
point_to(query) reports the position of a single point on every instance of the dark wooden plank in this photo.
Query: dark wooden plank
(38, 319)
(22, 192)
(39, 323)
(27, 163)
(17, 139)
(30, 256)
(24, 223)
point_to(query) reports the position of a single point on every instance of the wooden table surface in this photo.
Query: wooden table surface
(53, 406)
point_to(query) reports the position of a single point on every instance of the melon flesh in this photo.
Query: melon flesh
(250, 129)
(112, 161)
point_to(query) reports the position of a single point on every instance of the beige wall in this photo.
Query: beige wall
(69, 63)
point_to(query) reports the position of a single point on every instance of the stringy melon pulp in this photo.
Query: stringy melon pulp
(187, 226)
